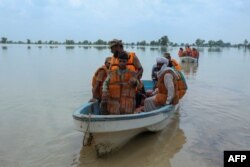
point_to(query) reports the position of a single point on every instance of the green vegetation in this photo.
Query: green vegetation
(162, 42)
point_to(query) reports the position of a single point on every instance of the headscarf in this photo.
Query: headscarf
(164, 61)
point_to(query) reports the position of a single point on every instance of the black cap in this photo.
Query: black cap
(123, 55)
(115, 42)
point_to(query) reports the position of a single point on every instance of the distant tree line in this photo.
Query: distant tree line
(163, 41)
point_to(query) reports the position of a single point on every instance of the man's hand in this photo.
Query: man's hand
(133, 82)
(104, 96)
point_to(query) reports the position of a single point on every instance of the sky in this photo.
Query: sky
(183, 21)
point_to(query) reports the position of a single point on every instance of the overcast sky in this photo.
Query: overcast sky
(129, 20)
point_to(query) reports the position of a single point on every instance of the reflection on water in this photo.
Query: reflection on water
(4, 47)
(214, 49)
(147, 149)
(141, 48)
(200, 49)
(101, 47)
(189, 68)
(86, 47)
(164, 49)
(154, 48)
(69, 47)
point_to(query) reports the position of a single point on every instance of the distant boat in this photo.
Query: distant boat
(189, 59)
(110, 132)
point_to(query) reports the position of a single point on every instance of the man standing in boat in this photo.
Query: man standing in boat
(98, 79)
(167, 87)
(133, 62)
(119, 88)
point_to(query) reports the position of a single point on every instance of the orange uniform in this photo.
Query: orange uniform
(121, 93)
(99, 76)
(180, 88)
(176, 65)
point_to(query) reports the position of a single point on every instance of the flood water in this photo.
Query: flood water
(41, 87)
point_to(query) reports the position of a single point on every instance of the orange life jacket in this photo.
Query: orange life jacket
(182, 85)
(114, 63)
(195, 54)
(94, 81)
(180, 88)
(180, 53)
(121, 93)
(176, 65)
(188, 51)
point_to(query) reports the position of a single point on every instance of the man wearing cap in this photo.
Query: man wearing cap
(119, 88)
(155, 68)
(98, 79)
(167, 87)
(133, 62)
(172, 62)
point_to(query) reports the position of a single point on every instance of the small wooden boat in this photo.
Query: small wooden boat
(110, 132)
(189, 59)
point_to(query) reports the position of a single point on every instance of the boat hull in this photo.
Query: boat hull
(110, 132)
(189, 59)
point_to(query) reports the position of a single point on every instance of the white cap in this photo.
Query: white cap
(162, 60)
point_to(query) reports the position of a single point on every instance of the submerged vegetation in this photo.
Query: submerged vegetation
(163, 41)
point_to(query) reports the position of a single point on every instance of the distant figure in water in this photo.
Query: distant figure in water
(188, 50)
(195, 53)
(181, 52)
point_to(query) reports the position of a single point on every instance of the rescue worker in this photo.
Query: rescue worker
(167, 87)
(98, 79)
(119, 88)
(133, 62)
(172, 62)
(195, 53)
(181, 52)
(188, 50)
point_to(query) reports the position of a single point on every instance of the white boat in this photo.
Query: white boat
(189, 59)
(110, 132)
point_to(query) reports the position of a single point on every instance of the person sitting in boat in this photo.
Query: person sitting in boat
(167, 89)
(98, 79)
(195, 53)
(181, 53)
(133, 62)
(119, 88)
(172, 62)
(188, 50)
(155, 69)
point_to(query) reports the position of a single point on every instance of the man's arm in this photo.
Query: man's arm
(169, 84)
(99, 79)
(138, 65)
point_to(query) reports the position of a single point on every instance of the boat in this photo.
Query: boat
(189, 59)
(111, 132)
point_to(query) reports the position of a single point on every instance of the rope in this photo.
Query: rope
(88, 136)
